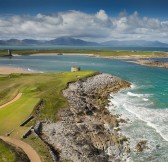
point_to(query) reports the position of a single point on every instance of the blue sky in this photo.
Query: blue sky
(150, 8)
(103, 19)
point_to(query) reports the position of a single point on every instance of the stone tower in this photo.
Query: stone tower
(75, 68)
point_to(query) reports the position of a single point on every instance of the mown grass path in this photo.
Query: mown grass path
(15, 99)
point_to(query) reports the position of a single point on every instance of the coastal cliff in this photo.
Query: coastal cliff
(86, 131)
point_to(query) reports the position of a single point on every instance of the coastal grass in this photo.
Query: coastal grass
(9, 153)
(40, 147)
(34, 87)
(96, 52)
(5, 152)
(14, 114)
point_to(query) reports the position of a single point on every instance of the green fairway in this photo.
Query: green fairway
(14, 114)
(34, 87)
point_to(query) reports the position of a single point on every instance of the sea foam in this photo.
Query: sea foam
(138, 106)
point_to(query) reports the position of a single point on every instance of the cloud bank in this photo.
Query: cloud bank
(93, 27)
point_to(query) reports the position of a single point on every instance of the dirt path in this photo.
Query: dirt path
(15, 99)
(31, 153)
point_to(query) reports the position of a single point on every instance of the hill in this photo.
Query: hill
(134, 43)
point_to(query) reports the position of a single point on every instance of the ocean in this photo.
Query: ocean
(54, 47)
(145, 104)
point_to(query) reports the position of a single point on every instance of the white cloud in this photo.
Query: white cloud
(102, 15)
(95, 27)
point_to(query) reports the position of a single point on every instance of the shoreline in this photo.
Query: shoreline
(99, 56)
(60, 54)
(10, 70)
(151, 63)
(88, 122)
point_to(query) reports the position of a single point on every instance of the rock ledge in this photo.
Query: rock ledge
(87, 131)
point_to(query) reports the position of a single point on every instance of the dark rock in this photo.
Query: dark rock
(141, 146)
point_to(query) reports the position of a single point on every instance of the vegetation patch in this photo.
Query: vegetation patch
(40, 147)
(14, 114)
(10, 153)
(34, 88)
(87, 51)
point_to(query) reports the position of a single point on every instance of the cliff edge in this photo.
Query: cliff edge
(86, 131)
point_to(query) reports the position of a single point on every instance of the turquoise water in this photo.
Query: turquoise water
(53, 47)
(145, 104)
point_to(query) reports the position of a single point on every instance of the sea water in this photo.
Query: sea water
(55, 47)
(145, 104)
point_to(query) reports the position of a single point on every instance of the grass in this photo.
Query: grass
(34, 87)
(52, 95)
(9, 153)
(40, 147)
(86, 51)
(14, 114)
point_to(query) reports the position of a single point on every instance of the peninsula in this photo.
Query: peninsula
(154, 63)
(63, 116)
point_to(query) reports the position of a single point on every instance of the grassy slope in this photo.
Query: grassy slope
(11, 154)
(96, 52)
(14, 114)
(34, 87)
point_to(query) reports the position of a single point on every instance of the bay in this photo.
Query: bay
(145, 104)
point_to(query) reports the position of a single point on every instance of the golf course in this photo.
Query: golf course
(20, 95)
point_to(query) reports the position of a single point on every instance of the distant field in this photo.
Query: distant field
(85, 51)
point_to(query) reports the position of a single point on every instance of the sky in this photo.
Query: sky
(93, 20)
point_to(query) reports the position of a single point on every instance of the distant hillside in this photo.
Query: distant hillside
(70, 41)
(58, 41)
(134, 43)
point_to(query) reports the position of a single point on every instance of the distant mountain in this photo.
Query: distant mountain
(31, 42)
(16, 42)
(58, 41)
(134, 43)
(70, 41)
(13, 41)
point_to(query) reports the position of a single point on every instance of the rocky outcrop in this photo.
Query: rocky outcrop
(87, 131)
(141, 146)
(152, 63)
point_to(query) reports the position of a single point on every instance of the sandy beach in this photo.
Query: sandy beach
(54, 54)
(9, 70)
(101, 56)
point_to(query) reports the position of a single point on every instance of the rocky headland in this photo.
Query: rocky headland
(86, 131)
(152, 63)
